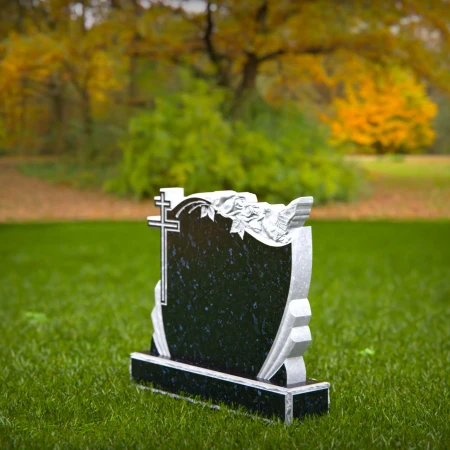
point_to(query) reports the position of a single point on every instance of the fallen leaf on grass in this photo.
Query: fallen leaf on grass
(367, 351)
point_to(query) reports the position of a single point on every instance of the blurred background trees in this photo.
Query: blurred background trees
(227, 93)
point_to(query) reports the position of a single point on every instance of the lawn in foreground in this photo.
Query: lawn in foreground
(76, 300)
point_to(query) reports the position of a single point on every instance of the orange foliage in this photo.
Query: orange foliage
(386, 113)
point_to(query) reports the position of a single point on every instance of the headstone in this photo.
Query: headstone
(231, 315)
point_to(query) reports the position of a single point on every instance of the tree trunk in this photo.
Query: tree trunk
(132, 85)
(133, 65)
(22, 140)
(249, 73)
(247, 88)
(87, 149)
(58, 115)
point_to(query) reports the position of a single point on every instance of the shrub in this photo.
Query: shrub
(186, 141)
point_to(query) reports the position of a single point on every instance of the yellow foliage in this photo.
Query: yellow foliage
(27, 63)
(384, 113)
(94, 73)
(32, 57)
(29, 68)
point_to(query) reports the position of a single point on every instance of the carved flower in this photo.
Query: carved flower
(232, 206)
(240, 202)
(261, 220)
(251, 210)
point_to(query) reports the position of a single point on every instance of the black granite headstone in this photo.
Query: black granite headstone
(231, 310)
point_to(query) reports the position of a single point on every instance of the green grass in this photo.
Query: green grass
(75, 300)
(408, 170)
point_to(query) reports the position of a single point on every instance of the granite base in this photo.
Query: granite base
(266, 399)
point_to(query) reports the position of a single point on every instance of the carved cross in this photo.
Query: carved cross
(165, 225)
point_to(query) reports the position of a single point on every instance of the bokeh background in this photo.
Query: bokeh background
(277, 98)
(103, 102)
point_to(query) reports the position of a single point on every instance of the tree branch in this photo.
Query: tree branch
(271, 55)
(307, 51)
(261, 15)
(214, 56)
(208, 37)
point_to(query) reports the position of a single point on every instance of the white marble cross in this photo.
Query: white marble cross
(165, 225)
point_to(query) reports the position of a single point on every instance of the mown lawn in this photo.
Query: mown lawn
(422, 170)
(75, 301)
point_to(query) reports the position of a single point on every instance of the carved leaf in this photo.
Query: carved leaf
(234, 226)
(238, 227)
(211, 212)
(204, 211)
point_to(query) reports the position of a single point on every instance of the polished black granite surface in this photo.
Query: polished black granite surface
(225, 295)
(267, 402)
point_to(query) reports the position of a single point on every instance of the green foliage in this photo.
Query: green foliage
(69, 173)
(76, 301)
(186, 141)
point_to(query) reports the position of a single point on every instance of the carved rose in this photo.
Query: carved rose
(232, 206)
(245, 216)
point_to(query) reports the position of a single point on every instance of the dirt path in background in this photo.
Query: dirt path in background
(412, 202)
(25, 199)
(29, 199)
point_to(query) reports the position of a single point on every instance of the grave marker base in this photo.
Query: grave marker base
(267, 399)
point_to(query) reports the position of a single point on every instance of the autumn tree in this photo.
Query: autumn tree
(63, 59)
(235, 41)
